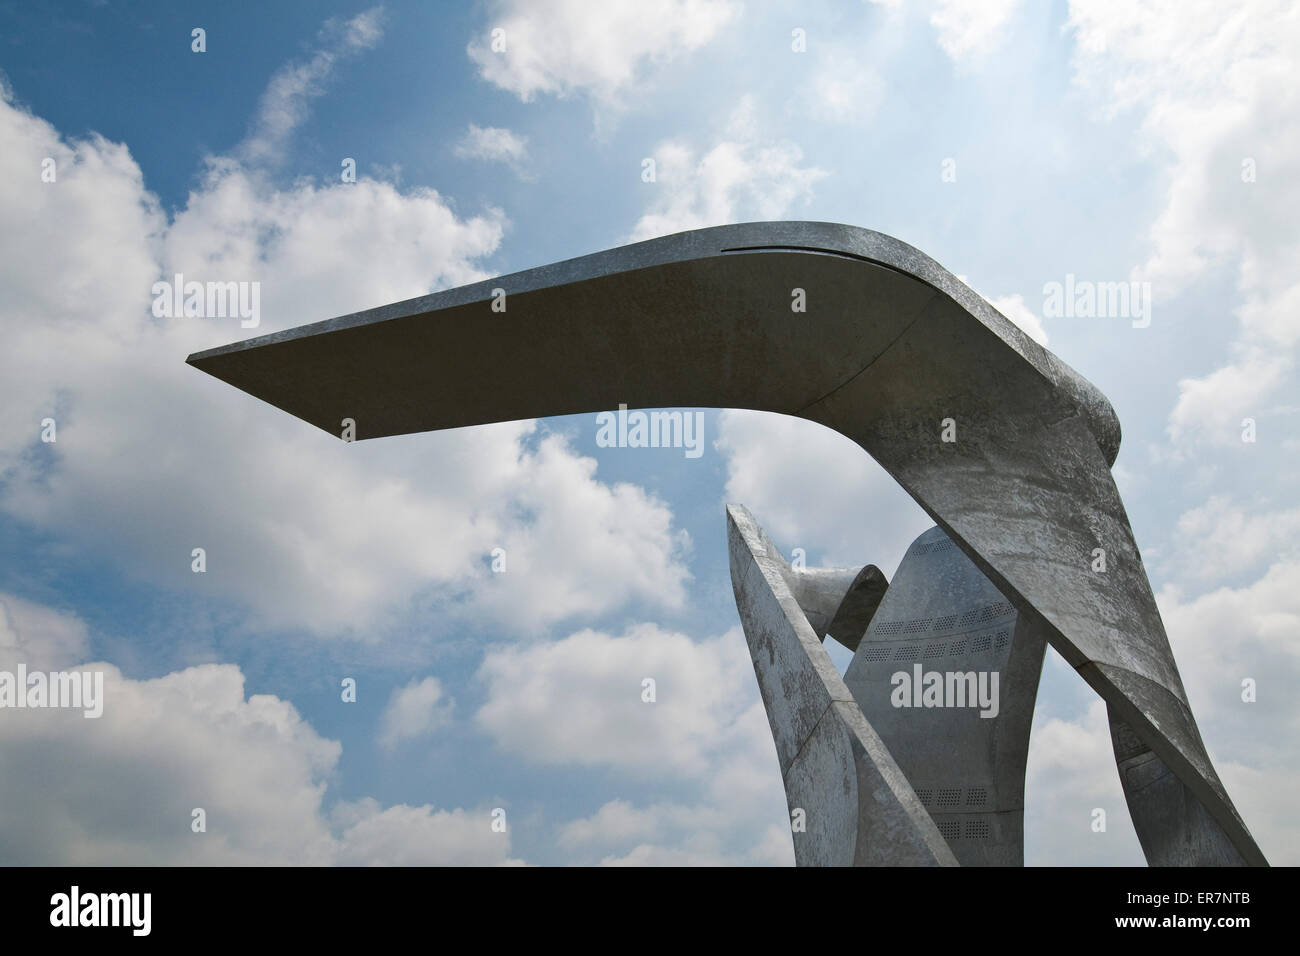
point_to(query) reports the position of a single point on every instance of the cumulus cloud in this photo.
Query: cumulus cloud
(1214, 90)
(413, 711)
(261, 774)
(1070, 774)
(537, 694)
(494, 144)
(38, 636)
(673, 834)
(1215, 406)
(706, 731)
(823, 493)
(619, 820)
(969, 29)
(1228, 634)
(123, 788)
(740, 176)
(418, 836)
(1220, 538)
(154, 459)
(704, 849)
(565, 47)
(845, 90)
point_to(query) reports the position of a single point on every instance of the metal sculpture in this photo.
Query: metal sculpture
(841, 326)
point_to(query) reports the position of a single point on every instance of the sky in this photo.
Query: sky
(498, 714)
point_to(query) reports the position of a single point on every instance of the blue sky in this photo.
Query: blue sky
(1086, 139)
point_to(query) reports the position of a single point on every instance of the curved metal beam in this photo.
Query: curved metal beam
(891, 344)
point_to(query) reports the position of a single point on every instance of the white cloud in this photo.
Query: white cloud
(38, 636)
(1219, 538)
(286, 102)
(418, 836)
(706, 732)
(261, 773)
(620, 822)
(1215, 405)
(538, 694)
(121, 789)
(674, 834)
(90, 236)
(563, 47)
(1230, 633)
(740, 176)
(1215, 89)
(413, 711)
(588, 547)
(845, 90)
(154, 459)
(323, 250)
(773, 848)
(821, 492)
(494, 144)
(1071, 773)
(971, 28)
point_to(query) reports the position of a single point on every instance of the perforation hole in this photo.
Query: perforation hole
(978, 830)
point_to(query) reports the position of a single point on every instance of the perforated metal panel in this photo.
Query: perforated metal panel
(977, 830)
(948, 797)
